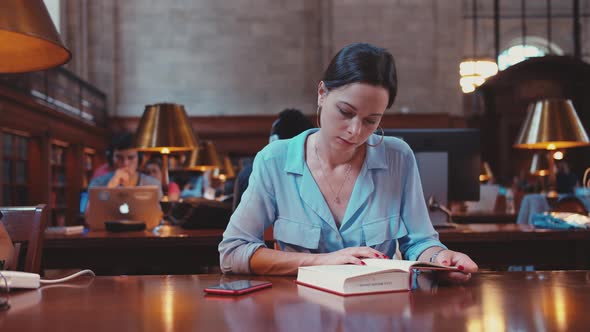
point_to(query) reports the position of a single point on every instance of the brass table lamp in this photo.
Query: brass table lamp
(551, 124)
(485, 173)
(540, 164)
(205, 158)
(28, 39)
(164, 128)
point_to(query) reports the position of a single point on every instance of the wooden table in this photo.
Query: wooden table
(506, 301)
(179, 251)
(170, 250)
(497, 246)
(484, 218)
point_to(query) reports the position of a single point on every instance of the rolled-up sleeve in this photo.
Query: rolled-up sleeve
(414, 214)
(257, 211)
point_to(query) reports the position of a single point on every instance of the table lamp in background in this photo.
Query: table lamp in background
(227, 171)
(540, 164)
(551, 124)
(485, 173)
(164, 128)
(28, 39)
(205, 159)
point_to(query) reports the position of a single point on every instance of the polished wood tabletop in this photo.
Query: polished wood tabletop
(173, 250)
(163, 236)
(499, 301)
(513, 232)
(505, 246)
(167, 250)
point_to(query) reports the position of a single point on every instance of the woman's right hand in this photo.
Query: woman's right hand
(352, 255)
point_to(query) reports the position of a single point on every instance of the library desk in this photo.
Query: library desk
(180, 251)
(171, 250)
(492, 301)
(498, 246)
(484, 218)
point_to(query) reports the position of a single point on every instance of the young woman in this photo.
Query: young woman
(339, 193)
(153, 168)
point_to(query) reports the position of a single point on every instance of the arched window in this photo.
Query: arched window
(518, 52)
(53, 9)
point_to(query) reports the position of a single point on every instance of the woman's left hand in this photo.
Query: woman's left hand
(453, 258)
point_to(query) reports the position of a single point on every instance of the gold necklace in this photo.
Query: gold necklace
(348, 169)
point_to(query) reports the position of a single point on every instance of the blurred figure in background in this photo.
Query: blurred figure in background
(291, 122)
(153, 168)
(565, 180)
(124, 158)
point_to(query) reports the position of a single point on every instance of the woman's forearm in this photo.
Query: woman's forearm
(276, 262)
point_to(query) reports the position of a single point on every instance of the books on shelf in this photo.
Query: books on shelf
(377, 276)
(65, 230)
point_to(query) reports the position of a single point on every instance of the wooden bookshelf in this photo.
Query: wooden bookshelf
(53, 134)
(15, 168)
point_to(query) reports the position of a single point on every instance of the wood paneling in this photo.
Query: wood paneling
(246, 135)
(44, 125)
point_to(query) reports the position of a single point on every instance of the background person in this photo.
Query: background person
(153, 168)
(290, 123)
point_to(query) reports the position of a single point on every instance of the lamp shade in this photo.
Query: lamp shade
(551, 124)
(485, 173)
(165, 128)
(227, 171)
(205, 158)
(28, 38)
(539, 164)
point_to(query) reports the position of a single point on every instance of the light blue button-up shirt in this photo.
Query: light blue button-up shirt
(386, 205)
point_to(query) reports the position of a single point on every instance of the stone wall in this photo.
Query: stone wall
(256, 57)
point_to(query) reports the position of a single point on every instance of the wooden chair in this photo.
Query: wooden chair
(25, 226)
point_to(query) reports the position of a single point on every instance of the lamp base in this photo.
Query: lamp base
(167, 220)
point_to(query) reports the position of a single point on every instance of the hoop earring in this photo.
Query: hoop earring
(317, 116)
(381, 140)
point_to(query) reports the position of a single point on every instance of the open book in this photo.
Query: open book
(377, 276)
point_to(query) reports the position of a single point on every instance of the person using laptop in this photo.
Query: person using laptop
(124, 158)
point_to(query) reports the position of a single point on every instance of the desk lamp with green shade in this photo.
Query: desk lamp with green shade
(28, 39)
(551, 124)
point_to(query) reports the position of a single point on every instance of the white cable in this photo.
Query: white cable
(55, 281)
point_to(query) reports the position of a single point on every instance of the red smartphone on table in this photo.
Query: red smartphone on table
(237, 287)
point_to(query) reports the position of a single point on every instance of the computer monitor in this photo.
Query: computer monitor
(449, 162)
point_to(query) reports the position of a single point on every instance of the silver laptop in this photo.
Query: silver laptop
(140, 203)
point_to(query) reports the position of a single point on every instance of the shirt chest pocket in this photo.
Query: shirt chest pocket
(383, 230)
(297, 233)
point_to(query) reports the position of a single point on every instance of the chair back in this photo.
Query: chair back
(25, 226)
